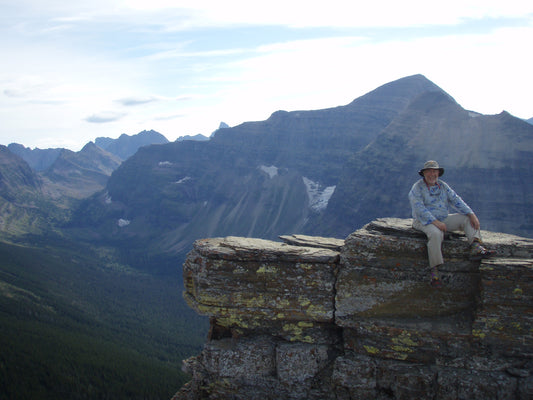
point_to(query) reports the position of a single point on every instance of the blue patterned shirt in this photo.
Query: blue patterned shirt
(430, 203)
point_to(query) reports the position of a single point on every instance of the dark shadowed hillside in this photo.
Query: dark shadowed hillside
(76, 323)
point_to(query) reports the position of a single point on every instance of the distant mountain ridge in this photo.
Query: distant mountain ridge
(318, 172)
(37, 159)
(23, 206)
(199, 137)
(122, 147)
(125, 146)
(321, 172)
(79, 174)
(61, 176)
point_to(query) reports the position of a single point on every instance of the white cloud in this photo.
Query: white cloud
(485, 72)
(104, 117)
(70, 60)
(334, 13)
(137, 100)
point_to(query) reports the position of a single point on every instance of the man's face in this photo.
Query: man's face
(431, 176)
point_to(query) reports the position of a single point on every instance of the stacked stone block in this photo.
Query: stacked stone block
(318, 318)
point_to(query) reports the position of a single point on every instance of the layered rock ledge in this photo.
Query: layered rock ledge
(322, 318)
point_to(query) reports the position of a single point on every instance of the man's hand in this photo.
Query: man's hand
(474, 221)
(440, 225)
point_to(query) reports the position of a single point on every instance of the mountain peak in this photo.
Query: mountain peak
(399, 92)
(125, 146)
(90, 146)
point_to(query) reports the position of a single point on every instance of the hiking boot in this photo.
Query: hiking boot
(478, 252)
(435, 277)
(436, 283)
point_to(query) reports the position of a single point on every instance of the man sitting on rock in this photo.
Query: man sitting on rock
(431, 200)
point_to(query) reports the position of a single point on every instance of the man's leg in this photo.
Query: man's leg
(435, 237)
(460, 222)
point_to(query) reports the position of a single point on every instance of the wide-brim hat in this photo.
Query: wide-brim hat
(431, 165)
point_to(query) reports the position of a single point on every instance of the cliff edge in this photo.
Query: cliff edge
(321, 318)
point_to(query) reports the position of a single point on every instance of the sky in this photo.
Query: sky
(72, 71)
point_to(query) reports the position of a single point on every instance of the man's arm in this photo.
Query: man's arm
(474, 221)
(456, 201)
(460, 205)
(420, 210)
(440, 225)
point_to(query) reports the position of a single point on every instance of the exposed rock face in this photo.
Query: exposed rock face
(79, 174)
(357, 319)
(22, 207)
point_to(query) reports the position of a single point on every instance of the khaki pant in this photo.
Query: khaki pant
(454, 222)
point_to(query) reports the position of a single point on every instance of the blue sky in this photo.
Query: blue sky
(73, 72)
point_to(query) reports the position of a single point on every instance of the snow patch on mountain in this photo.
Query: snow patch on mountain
(270, 171)
(318, 196)
(123, 222)
(183, 180)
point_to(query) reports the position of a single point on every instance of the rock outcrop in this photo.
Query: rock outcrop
(319, 318)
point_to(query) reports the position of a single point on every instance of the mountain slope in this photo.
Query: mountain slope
(317, 143)
(257, 179)
(16, 176)
(32, 202)
(75, 322)
(23, 207)
(322, 172)
(79, 174)
(485, 160)
(37, 159)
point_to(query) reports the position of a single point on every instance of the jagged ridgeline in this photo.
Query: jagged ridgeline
(322, 172)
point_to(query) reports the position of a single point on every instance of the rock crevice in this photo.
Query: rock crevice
(322, 318)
